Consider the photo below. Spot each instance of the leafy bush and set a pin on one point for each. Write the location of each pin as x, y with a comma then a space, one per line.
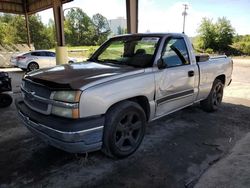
216, 36
209, 51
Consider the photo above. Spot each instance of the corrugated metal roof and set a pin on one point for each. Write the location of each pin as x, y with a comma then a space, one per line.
32, 6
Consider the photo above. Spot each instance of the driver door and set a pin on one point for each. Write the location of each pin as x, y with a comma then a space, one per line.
175, 83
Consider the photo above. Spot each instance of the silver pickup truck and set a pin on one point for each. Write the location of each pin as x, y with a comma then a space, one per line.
106, 102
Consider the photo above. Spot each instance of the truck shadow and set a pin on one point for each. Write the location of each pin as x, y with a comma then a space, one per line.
176, 148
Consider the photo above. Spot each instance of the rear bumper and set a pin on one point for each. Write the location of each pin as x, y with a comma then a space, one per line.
20, 64
74, 136
13, 63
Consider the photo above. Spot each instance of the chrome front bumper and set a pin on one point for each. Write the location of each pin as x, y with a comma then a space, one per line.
72, 140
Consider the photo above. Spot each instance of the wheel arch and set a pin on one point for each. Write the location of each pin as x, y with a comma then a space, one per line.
32, 62
222, 78
141, 100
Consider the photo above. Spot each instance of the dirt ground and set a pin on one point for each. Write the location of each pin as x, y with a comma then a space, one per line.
175, 152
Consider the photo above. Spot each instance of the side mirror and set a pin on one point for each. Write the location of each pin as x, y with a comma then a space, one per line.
161, 64
201, 58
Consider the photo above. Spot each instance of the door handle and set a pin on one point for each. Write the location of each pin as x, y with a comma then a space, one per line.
190, 73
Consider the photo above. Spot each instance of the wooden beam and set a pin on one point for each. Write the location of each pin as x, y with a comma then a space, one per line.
11, 2
32, 6
132, 16
26, 22
11, 7
27, 29
59, 25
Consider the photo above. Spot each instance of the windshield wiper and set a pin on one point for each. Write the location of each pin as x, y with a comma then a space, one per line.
133, 65
110, 61
91, 59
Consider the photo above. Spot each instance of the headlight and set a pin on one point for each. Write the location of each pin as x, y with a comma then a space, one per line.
66, 112
67, 96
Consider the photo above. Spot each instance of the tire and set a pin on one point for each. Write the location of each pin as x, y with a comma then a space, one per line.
124, 129
33, 66
214, 99
5, 100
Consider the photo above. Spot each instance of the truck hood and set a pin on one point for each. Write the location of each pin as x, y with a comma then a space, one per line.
80, 75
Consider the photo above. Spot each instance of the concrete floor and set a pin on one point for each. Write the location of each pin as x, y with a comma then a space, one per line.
233, 171
175, 152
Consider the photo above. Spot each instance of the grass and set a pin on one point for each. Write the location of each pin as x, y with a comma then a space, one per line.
82, 47
80, 52
78, 47
241, 57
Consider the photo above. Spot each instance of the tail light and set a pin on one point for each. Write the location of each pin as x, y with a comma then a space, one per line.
20, 57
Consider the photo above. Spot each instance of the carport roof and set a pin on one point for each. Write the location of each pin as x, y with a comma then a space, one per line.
26, 6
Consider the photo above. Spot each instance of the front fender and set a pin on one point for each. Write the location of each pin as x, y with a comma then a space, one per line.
98, 99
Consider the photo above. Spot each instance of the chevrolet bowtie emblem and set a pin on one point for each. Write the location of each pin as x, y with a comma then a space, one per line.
32, 92
31, 95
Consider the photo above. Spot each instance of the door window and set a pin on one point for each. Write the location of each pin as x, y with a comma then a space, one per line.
35, 53
50, 54
175, 53
41, 53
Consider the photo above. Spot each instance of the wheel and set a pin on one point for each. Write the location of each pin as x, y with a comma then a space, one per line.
124, 129
5, 100
33, 66
214, 99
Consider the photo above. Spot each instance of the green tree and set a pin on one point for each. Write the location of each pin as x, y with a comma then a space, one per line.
6, 17
218, 36
7, 30
51, 30
4, 29
19, 30
13, 30
79, 29
39, 33
102, 29
121, 30
224, 34
207, 34
242, 44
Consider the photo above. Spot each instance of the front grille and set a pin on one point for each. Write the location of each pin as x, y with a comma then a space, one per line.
36, 104
36, 90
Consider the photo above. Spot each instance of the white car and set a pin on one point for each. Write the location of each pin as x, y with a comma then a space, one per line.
35, 59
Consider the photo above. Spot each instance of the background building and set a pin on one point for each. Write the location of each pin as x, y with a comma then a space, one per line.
118, 26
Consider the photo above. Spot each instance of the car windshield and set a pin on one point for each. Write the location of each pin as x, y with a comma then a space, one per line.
133, 51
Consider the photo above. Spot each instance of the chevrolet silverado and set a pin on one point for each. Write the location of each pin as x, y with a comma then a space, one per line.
106, 102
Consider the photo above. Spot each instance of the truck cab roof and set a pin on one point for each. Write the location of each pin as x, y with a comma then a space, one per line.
152, 35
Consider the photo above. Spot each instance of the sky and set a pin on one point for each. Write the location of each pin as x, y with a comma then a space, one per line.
166, 15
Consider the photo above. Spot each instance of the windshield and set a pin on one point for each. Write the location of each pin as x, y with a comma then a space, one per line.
134, 51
